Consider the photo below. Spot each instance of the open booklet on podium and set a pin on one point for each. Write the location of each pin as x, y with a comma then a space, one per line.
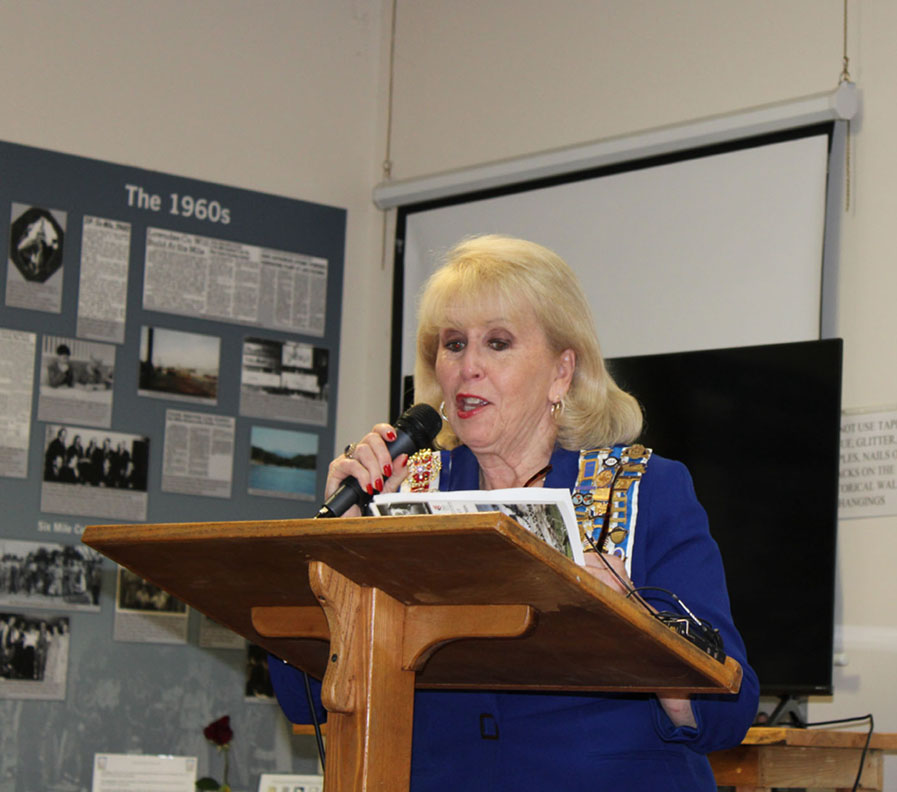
378, 607
546, 513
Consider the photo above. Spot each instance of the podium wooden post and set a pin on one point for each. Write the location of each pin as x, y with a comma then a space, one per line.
379, 607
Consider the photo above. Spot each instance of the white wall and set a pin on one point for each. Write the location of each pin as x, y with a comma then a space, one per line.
281, 96
287, 96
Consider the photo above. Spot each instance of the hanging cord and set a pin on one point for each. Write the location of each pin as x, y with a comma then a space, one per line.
845, 77
387, 157
319, 735
845, 61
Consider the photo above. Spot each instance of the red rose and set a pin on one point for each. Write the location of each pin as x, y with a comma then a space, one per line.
219, 731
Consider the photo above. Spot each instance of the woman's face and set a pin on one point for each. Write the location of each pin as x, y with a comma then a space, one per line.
499, 378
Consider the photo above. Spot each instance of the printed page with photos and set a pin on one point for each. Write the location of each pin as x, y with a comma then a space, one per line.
547, 513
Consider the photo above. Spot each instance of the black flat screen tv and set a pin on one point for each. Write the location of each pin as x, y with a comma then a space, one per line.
758, 427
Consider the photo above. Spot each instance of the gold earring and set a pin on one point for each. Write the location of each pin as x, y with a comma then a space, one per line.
557, 408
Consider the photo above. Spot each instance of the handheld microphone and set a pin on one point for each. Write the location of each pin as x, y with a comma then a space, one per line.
416, 428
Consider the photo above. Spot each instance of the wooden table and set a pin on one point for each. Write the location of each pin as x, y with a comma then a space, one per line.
788, 758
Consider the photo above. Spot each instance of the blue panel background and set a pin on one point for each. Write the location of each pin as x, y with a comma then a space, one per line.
152, 698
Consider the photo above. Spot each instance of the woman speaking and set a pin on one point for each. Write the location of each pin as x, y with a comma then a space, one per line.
507, 351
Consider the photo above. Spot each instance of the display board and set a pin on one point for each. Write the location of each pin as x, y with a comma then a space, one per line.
169, 353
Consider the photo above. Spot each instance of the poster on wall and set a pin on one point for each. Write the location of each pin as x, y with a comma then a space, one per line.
868, 469
103, 284
34, 656
212, 278
16, 378
94, 473
102, 445
284, 381
76, 381
47, 575
199, 453
34, 272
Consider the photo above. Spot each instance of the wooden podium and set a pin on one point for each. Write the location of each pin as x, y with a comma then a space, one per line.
379, 606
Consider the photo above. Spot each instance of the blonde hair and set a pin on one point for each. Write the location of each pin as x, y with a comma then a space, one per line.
526, 279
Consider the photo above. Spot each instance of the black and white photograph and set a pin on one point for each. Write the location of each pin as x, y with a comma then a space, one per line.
35, 271
178, 365
284, 381
35, 244
33, 656
258, 682
47, 575
94, 472
79, 455
403, 508
76, 381
137, 594
145, 613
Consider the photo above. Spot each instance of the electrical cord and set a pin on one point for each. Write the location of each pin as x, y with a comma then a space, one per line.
699, 631
627, 586
858, 719
319, 738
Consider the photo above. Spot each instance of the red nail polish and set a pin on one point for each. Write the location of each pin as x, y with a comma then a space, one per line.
378, 485
390, 435
370, 489
405, 460
387, 471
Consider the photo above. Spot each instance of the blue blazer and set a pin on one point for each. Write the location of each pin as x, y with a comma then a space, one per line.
484, 742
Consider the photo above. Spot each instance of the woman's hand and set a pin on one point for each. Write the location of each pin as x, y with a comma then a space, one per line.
370, 463
679, 710
598, 568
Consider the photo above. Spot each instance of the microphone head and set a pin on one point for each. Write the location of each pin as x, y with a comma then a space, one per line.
421, 423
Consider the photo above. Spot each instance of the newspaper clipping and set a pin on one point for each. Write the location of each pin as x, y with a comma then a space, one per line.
212, 278
99, 474
34, 273
76, 379
16, 378
284, 381
215, 636
103, 287
199, 453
